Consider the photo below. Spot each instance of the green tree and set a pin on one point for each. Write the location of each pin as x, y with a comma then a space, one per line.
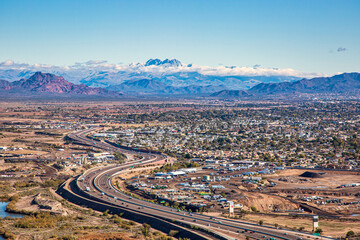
145, 229
253, 208
120, 157
350, 234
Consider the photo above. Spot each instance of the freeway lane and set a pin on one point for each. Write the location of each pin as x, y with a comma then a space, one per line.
100, 181
80, 136
97, 185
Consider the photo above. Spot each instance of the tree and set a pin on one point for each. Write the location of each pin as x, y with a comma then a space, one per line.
261, 222
350, 234
106, 213
145, 229
120, 157
253, 208
318, 230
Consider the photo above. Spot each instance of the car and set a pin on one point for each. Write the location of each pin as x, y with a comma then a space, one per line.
194, 220
219, 221
285, 233
299, 238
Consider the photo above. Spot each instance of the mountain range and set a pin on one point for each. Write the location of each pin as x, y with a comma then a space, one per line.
170, 78
170, 72
47, 83
342, 85
156, 87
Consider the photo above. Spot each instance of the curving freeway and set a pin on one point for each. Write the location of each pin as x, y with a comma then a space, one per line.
96, 184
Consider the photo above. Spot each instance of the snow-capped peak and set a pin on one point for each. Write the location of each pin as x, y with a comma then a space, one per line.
166, 62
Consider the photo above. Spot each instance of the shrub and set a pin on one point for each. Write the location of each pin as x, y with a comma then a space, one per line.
253, 208
42, 220
145, 229
172, 233
54, 183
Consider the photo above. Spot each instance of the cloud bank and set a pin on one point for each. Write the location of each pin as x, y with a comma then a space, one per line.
158, 70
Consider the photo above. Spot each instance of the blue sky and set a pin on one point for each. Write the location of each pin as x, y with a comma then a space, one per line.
311, 36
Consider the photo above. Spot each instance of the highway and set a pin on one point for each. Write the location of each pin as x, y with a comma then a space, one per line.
97, 185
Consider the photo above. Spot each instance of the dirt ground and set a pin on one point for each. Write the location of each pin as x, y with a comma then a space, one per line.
331, 228
40, 203
266, 203
97, 236
331, 179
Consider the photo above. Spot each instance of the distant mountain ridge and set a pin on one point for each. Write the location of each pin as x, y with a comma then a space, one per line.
49, 83
5, 84
345, 85
171, 77
342, 83
171, 72
155, 87
231, 94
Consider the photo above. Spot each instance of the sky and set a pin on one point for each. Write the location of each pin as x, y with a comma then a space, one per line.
307, 35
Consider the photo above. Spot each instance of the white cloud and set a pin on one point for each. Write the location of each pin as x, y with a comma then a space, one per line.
154, 70
8, 63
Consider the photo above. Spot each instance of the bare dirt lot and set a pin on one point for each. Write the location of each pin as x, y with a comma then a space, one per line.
330, 191
290, 178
